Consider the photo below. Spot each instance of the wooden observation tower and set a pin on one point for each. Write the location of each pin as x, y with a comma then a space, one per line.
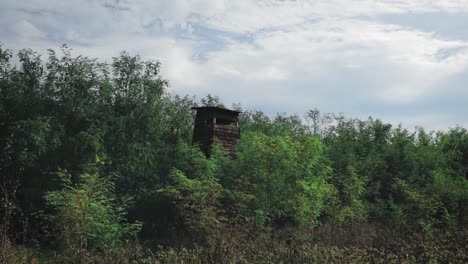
216, 122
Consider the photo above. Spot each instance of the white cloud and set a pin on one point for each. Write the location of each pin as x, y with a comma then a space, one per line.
251, 16
25, 29
314, 51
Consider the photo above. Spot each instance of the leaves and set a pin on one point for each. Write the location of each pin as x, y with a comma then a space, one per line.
286, 176
88, 215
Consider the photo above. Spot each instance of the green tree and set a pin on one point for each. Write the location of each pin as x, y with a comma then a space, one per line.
87, 216
285, 177
196, 196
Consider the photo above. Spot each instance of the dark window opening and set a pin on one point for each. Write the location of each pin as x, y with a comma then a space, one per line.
221, 121
225, 122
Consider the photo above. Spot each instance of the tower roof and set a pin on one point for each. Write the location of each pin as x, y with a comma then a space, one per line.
216, 108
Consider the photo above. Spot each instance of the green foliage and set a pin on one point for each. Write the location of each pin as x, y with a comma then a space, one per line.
258, 121
88, 216
196, 197
210, 100
286, 177
452, 194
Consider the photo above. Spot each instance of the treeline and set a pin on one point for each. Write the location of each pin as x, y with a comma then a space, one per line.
96, 161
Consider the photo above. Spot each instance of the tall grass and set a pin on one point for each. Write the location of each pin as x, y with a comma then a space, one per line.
358, 243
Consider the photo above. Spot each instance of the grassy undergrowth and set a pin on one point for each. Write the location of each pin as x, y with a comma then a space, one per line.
360, 243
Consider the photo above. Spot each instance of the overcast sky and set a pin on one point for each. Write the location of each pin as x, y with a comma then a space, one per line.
399, 60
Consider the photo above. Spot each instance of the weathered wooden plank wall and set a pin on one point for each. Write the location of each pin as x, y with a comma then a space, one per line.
216, 122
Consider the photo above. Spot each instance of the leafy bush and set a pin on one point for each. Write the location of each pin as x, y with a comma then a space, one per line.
286, 177
87, 215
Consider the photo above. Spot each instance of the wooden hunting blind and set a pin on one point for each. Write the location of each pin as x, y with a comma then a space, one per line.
215, 122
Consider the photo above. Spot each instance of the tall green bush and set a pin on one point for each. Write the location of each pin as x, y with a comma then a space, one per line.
87, 216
